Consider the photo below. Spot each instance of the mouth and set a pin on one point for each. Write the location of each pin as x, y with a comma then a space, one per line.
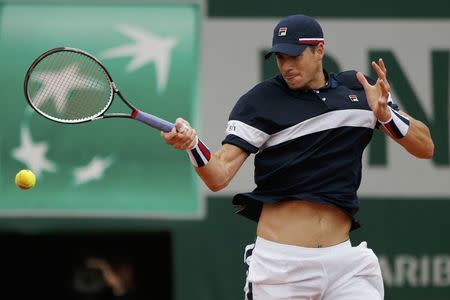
290, 76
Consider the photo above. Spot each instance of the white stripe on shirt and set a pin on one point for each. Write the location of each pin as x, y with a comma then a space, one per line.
250, 134
330, 120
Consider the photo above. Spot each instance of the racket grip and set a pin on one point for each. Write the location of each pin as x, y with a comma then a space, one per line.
152, 120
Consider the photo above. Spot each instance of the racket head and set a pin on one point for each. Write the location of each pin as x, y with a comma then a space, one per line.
68, 85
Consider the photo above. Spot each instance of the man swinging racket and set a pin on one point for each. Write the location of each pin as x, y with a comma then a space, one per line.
308, 129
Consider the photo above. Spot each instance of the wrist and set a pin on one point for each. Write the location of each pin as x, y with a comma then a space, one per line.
199, 154
397, 125
385, 117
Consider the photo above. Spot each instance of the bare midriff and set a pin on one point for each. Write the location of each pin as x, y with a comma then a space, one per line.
303, 223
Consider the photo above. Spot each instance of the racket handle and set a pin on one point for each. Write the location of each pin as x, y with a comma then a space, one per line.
152, 120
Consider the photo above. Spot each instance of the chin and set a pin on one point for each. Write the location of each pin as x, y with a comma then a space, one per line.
295, 85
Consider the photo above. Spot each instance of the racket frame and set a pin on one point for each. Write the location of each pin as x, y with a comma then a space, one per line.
136, 114
99, 115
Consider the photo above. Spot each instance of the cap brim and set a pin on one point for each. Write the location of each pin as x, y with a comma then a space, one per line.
289, 49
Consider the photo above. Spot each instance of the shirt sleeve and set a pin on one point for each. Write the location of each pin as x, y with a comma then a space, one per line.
244, 127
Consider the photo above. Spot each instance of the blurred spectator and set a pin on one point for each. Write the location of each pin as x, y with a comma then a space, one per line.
100, 279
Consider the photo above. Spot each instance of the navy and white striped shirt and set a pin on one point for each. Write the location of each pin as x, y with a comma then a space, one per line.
308, 143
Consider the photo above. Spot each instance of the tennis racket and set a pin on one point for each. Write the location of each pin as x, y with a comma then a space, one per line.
71, 86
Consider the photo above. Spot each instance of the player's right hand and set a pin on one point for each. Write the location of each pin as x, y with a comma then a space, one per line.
182, 136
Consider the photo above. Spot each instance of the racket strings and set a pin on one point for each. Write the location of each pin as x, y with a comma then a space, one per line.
69, 87
88, 82
84, 82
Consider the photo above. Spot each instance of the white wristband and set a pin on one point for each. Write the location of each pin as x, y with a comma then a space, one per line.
199, 154
397, 125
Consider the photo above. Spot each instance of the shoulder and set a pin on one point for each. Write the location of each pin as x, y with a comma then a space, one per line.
266, 89
348, 79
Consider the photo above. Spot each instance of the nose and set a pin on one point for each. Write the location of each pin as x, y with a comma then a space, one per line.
286, 65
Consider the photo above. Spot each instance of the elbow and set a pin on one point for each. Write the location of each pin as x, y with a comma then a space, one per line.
427, 151
430, 151
217, 187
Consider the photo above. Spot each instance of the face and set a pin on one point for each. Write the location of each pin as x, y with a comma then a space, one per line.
303, 71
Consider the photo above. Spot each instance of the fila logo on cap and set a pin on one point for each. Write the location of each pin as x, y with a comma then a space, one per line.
282, 31
353, 98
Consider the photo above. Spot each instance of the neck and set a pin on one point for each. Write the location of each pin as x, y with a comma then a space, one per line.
319, 81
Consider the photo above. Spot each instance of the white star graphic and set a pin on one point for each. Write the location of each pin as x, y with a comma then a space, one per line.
33, 155
94, 170
55, 86
147, 47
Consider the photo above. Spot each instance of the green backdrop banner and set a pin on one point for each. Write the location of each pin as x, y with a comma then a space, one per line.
109, 167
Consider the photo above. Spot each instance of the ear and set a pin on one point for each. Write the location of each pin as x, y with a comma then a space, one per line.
320, 50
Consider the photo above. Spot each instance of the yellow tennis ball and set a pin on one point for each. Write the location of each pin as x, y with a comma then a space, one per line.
25, 179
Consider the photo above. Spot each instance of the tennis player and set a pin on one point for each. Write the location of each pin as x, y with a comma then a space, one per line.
308, 129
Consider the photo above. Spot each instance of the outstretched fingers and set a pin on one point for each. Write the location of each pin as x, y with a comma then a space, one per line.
381, 74
362, 79
381, 71
384, 93
382, 65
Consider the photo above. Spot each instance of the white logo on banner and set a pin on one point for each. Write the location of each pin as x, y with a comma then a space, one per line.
146, 48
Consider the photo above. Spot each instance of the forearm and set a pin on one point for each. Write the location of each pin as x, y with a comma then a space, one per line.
215, 175
418, 140
222, 167
412, 134
215, 169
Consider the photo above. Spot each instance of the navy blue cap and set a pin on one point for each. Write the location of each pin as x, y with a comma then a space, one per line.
294, 33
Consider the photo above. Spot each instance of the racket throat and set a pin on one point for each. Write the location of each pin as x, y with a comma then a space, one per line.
114, 87
134, 113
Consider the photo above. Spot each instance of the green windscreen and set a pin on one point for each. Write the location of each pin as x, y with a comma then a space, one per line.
114, 167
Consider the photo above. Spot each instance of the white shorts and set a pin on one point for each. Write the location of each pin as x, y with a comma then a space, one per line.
342, 272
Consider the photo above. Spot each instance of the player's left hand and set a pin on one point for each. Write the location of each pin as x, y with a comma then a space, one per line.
377, 95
